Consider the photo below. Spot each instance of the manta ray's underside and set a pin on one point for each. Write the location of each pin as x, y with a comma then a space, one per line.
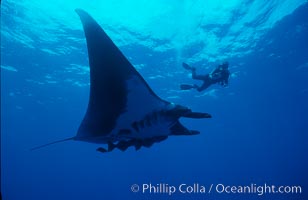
123, 110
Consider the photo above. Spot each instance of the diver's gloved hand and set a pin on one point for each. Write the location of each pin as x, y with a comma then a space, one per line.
215, 76
223, 84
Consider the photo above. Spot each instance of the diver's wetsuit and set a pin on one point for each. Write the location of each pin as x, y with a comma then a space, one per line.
207, 81
219, 75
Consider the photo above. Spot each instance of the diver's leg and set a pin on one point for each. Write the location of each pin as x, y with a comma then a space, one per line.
204, 86
198, 77
193, 72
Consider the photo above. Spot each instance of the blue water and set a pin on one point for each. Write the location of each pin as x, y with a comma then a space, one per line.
258, 133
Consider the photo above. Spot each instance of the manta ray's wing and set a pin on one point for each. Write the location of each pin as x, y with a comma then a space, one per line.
115, 86
123, 111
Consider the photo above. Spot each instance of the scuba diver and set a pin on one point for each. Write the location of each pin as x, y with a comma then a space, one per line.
219, 75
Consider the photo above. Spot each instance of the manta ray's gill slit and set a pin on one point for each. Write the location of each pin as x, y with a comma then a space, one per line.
147, 121
155, 123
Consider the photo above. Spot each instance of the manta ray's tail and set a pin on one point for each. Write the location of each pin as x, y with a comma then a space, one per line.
45, 145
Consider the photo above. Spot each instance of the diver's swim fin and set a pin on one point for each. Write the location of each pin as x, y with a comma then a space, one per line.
187, 87
186, 66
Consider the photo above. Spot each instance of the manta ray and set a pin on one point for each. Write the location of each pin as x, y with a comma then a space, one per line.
123, 111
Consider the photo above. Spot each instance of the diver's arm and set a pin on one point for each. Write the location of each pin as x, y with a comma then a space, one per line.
225, 81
